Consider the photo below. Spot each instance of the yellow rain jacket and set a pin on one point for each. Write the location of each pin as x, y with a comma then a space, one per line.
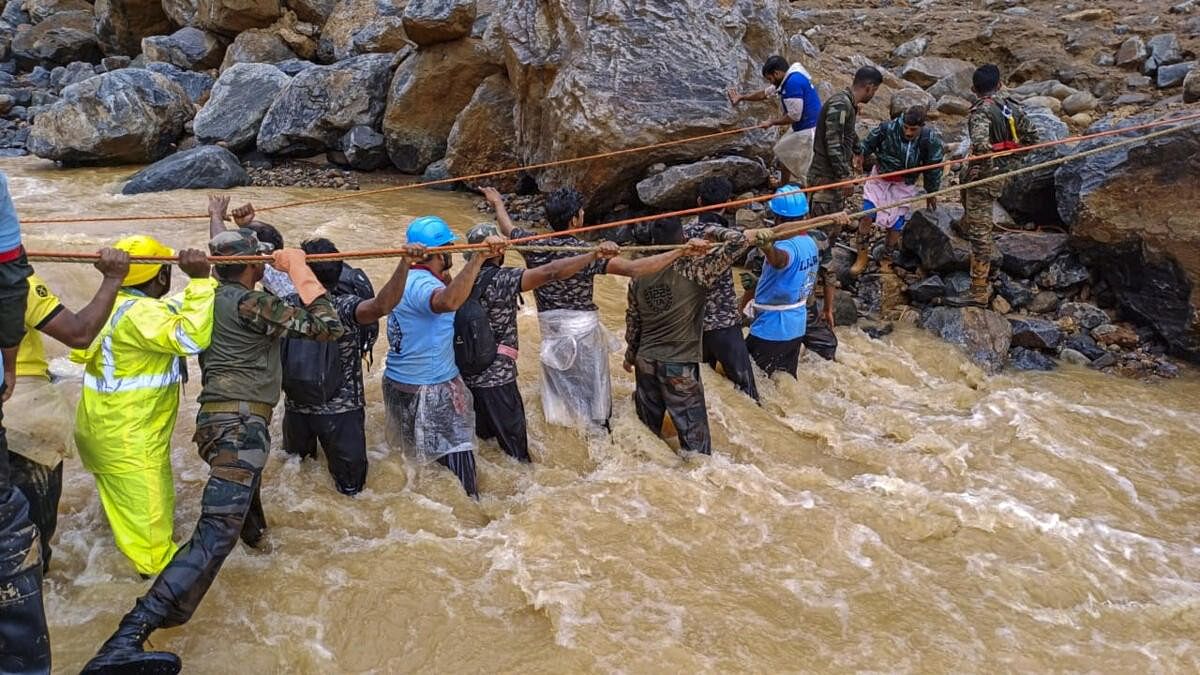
127, 411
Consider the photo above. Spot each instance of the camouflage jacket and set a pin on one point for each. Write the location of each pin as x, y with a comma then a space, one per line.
575, 293
721, 307
991, 123
500, 294
895, 153
836, 141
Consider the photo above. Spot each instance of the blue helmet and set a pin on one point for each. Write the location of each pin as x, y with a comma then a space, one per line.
430, 231
789, 202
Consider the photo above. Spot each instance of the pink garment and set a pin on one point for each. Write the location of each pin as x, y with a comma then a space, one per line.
883, 192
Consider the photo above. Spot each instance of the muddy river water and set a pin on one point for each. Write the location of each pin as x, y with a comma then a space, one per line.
893, 511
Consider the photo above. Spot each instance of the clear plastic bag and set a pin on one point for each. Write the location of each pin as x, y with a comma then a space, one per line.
433, 421
576, 385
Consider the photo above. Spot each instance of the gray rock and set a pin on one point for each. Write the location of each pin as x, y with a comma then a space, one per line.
1017, 293
930, 236
1085, 345
1137, 81
925, 71
197, 85
957, 84
205, 167
906, 98
439, 172
1164, 50
181, 12
911, 49
321, 104
1132, 53
1074, 358
1132, 99
428, 22
361, 148
1086, 315
1021, 358
362, 27
1043, 302
14, 14
65, 76
238, 103
983, 335
58, 40
1024, 254
124, 117
1035, 333
1063, 273
1174, 74
312, 11
953, 105
1108, 359
675, 188
800, 47
1079, 102
1031, 196
293, 67
927, 289
188, 48
1191, 86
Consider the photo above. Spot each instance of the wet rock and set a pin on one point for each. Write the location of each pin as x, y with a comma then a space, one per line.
906, 98
1191, 86
985, 336
196, 85
362, 148
1164, 50
122, 24
1043, 302
1083, 344
428, 22
188, 48
1027, 253
124, 117
362, 27
58, 40
180, 12
1063, 273
1132, 53
482, 138
1035, 333
257, 46
1074, 358
321, 104
1120, 335
1106, 360
1173, 75
1079, 102
207, 166
1017, 293
953, 105
927, 290
675, 187
1021, 358
1083, 314
238, 103
925, 71
438, 171
428, 92
230, 17
930, 236
913, 48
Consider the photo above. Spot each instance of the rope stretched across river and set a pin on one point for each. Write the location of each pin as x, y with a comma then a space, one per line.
781, 232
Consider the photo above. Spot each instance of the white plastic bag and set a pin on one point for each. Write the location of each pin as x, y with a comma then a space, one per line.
576, 385
436, 420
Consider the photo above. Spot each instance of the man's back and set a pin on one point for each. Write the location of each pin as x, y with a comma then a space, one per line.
787, 287
499, 290
421, 340
671, 316
575, 293
350, 396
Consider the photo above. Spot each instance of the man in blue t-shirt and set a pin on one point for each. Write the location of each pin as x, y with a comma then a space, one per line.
800, 105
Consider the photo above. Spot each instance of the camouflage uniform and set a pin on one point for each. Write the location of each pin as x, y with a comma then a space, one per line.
995, 123
834, 149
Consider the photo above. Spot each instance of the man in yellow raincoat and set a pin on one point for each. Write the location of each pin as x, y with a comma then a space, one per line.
130, 397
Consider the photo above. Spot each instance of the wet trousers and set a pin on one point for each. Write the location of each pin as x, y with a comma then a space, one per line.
235, 446
819, 336
774, 356
140, 508
664, 388
42, 487
500, 414
401, 403
727, 346
343, 439
977, 220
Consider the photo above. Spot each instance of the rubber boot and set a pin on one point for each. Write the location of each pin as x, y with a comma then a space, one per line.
123, 654
862, 240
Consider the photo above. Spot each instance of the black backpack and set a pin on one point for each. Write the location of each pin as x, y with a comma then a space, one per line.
474, 341
312, 371
354, 281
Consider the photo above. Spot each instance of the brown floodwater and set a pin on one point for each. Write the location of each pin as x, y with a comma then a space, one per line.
893, 511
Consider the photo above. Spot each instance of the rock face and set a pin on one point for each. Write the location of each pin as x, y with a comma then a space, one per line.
362, 27
589, 78
1130, 216
1024, 254
257, 46
482, 136
189, 48
1031, 195
429, 22
930, 236
675, 188
59, 40
320, 104
123, 117
925, 71
239, 101
207, 166
429, 90
985, 336
230, 17
122, 24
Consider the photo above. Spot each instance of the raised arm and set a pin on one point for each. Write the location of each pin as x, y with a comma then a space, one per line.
492, 195
78, 329
218, 208
453, 295
371, 310
640, 267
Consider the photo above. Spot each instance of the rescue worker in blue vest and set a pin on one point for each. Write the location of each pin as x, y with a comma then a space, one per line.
801, 106
242, 375
131, 380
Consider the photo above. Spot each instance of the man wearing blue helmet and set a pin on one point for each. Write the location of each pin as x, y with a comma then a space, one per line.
429, 409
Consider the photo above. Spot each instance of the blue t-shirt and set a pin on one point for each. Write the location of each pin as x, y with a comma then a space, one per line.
10, 227
787, 286
420, 341
798, 85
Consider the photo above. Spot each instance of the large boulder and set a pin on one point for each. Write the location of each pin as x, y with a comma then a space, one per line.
925, 71
482, 138
180, 12
315, 12
257, 46
362, 27
361, 148
1164, 50
122, 24
904, 99
207, 166
675, 187
429, 90
188, 48
428, 22
230, 17
40, 10
1030, 196
1130, 216
592, 77
57, 41
983, 335
321, 104
1024, 254
238, 103
123, 117
930, 236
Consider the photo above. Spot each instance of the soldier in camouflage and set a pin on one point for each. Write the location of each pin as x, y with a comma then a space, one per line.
996, 123
836, 148
241, 385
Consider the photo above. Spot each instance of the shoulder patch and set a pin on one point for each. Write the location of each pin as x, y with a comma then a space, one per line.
41, 291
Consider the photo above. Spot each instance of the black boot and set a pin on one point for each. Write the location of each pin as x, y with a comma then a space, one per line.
122, 654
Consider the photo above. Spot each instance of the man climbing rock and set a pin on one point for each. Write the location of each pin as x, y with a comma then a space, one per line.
836, 149
801, 105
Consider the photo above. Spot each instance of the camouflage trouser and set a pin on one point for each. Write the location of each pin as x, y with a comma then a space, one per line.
977, 221
235, 447
825, 203
675, 389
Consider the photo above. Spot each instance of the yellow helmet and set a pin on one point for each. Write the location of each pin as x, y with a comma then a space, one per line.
140, 244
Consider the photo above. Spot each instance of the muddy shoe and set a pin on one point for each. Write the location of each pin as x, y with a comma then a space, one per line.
123, 653
861, 262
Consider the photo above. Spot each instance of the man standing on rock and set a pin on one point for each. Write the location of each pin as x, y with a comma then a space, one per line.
836, 149
996, 123
801, 105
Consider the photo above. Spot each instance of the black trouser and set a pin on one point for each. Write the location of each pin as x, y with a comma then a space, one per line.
342, 438
673, 388
401, 407
727, 346
819, 336
500, 414
774, 356
42, 487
